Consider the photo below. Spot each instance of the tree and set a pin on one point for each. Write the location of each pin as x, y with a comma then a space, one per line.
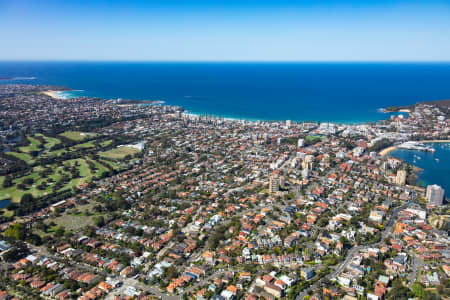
381, 144
7, 182
18, 251
27, 202
170, 272
28, 181
12, 206
99, 221
59, 232
418, 290
399, 291
432, 296
16, 231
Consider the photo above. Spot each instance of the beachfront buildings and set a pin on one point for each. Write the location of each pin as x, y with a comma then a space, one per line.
400, 179
435, 195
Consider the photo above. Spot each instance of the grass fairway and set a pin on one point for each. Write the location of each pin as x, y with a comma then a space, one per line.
77, 135
26, 153
86, 145
36, 145
15, 193
22, 156
46, 176
49, 141
33, 146
112, 164
119, 153
54, 153
106, 143
100, 169
56, 174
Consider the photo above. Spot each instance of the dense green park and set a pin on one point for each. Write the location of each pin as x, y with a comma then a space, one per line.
65, 162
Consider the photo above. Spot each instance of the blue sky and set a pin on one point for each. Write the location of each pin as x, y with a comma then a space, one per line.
228, 30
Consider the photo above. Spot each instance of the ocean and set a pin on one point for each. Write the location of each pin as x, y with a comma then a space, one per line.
337, 92
436, 166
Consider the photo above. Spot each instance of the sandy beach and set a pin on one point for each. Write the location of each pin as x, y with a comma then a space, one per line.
385, 151
52, 94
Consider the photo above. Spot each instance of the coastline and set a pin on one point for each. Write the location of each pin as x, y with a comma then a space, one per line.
52, 94
387, 150
226, 118
55, 94
396, 110
58, 95
253, 119
61, 94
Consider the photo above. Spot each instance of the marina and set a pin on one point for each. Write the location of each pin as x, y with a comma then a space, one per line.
416, 146
435, 164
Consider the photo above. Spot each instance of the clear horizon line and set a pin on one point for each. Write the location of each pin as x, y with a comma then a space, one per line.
229, 61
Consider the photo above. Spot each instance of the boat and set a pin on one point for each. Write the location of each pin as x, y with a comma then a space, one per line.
412, 145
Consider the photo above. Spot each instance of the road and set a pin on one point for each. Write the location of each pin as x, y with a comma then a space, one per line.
127, 282
79, 265
387, 230
206, 280
416, 264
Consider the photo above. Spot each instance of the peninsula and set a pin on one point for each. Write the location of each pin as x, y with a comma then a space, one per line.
444, 105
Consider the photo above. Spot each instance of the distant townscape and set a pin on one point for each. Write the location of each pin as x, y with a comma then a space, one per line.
106, 199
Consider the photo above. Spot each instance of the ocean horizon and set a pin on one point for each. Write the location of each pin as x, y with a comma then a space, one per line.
337, 92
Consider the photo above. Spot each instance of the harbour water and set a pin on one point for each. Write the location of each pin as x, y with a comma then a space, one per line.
4, 203
435, 165
337, 92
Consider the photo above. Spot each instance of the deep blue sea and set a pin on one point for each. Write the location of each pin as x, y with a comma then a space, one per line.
436, 166
339, 92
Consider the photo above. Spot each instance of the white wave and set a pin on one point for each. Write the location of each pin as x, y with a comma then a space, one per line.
67, 94
23, 78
